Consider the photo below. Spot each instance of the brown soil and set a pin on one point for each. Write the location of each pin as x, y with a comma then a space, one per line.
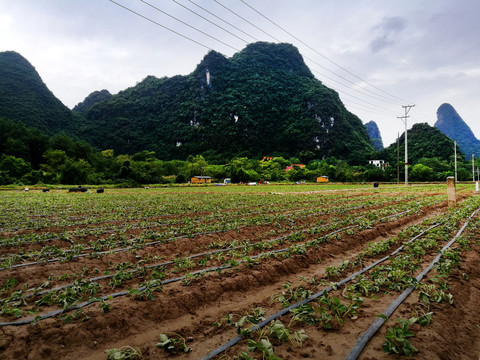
191, 310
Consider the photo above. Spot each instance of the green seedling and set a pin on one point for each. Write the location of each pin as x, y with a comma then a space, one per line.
264, 346
396, 339
173, 344
278, 331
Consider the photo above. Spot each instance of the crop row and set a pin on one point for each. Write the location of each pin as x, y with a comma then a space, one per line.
306, 305
37, 211
195, 218
188, 227
248, 253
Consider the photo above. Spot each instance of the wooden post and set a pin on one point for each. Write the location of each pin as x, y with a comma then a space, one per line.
451, 194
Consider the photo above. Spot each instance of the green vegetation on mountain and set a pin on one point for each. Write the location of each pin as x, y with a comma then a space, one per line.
262, 101
430, 156
92, 99
424, 141
218, 121
24, 97
28, 156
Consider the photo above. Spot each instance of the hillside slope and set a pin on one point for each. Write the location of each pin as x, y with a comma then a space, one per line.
452, 125
424, 141
262, 101
25, 97
91, 100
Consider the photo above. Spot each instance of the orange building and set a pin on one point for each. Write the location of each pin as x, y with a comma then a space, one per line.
201, 180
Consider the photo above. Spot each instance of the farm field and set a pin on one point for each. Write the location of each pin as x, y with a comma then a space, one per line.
178, 272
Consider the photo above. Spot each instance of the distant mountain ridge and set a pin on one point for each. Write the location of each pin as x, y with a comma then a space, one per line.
452, 125
374, 134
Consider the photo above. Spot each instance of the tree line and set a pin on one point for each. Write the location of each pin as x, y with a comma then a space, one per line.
29, 157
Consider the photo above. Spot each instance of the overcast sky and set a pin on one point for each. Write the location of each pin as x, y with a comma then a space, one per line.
379, 55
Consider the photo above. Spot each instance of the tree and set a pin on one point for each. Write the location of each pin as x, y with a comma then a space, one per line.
13, 168
373, 173
273, 170
55, 159
125, 171
196, 165
420, 172
244, 170
75, 172
108, 153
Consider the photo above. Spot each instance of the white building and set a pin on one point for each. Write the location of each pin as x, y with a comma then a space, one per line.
378, 163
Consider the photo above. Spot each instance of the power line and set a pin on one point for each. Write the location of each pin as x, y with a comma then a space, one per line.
313, 61
320, 54
376, 107
241, 17
362, 107
338, 82
226, 22
419, 111
372, 94
211, 22
190, 26
162, 26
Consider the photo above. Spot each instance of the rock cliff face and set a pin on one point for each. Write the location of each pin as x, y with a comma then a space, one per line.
452, 125
374, 134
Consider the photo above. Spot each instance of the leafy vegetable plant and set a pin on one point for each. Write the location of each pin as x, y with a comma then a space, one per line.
173, 344
396, 341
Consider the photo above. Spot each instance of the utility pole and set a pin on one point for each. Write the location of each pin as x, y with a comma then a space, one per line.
473, 167
398, 158
404, 119
455, 154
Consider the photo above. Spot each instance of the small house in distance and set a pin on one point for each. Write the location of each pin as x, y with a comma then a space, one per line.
378, 163
201, 180
322, 179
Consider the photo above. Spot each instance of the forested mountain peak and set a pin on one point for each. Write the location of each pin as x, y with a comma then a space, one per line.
13, 60
424, 141
213, 61
25, 97
279, 57
262, 101
92, 99
452, 125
